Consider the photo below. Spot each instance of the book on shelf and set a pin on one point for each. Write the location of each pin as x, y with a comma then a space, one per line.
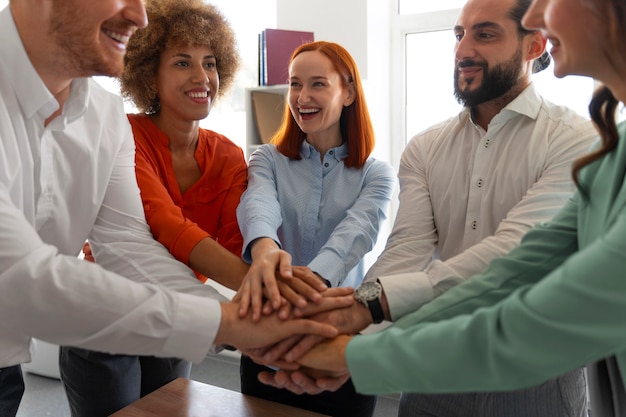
275, 49
268, 108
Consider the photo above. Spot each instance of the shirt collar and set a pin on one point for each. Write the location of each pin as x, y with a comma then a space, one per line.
339, 153
30, 90
527, 103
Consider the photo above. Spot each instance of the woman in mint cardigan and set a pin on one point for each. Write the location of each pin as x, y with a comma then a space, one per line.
555, 303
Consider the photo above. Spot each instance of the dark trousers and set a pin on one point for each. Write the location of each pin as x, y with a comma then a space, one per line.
345, 402
564, 396
11, 390
98, 384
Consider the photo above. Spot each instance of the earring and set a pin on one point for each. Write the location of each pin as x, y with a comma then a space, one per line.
155, 106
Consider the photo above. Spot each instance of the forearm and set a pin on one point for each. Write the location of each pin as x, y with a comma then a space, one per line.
215, 262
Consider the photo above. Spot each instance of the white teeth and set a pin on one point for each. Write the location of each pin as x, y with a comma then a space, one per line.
204, 94
308, 111
120, 38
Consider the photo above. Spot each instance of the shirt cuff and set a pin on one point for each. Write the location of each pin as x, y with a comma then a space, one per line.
193, 334
255, 232
329, 267
406, 292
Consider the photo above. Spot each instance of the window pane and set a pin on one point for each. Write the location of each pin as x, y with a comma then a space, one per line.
430, 71
421, 6
430, 90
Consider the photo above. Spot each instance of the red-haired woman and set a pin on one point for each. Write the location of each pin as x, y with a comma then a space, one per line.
316, 198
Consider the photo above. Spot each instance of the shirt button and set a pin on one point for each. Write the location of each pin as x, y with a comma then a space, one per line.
480, 183
474, 225
332, 152
326, 164
487, 141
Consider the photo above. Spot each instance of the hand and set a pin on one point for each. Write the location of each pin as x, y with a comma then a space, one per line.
245, 333
272, 275
336, 302
329, 356
303, 381
88, 255
348, 320
304, 285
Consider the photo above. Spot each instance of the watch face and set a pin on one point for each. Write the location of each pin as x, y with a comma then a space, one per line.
368, 291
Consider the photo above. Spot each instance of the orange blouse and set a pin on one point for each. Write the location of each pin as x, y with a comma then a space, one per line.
207, 208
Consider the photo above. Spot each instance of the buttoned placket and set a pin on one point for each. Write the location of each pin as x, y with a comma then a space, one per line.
478, 182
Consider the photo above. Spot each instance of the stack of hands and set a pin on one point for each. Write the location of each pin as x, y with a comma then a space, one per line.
287, 318
313, 322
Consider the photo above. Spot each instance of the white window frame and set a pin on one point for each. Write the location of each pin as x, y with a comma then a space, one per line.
401, 26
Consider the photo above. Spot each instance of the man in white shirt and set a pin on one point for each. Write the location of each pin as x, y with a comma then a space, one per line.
470, 188
67, 174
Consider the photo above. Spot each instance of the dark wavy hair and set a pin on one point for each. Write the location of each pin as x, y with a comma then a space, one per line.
603, 105
176, 22
516, 13
356, 126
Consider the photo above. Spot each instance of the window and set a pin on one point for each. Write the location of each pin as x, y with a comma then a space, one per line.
429, 86
420, 6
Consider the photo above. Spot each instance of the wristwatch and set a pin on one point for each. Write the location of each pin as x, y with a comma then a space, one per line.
369, 294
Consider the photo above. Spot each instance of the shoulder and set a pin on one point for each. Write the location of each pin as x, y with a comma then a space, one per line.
104, 114
379, 172
220, 143
104, 100
437, 136
564, 115
378, 166
267, 151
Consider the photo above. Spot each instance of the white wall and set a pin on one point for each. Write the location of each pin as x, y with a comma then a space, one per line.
341, 21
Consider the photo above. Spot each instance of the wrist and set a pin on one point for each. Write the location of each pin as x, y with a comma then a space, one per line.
229, 313
385, 305
262, 245
324, 280
369, 294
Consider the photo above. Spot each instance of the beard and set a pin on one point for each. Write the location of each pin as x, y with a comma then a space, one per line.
496, 82
80, 53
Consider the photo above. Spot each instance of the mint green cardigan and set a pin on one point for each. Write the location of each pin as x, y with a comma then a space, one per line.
553, 304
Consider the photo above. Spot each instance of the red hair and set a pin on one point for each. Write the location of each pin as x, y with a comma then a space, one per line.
355, 124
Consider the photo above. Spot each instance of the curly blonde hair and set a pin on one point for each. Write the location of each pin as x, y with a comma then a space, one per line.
176, 22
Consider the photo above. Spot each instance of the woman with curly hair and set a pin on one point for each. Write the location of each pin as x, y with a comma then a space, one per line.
191, 180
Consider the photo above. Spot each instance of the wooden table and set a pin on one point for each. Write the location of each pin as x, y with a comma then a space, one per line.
186, 398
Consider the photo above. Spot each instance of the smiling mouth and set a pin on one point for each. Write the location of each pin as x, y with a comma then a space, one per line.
118, 37
203, 94
308, 111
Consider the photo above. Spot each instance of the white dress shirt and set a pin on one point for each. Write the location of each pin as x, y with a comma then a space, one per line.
468, 195
60, 185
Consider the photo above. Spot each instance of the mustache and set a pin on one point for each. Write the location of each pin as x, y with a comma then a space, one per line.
471, 63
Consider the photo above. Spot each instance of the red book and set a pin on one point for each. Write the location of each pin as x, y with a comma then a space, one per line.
278, 46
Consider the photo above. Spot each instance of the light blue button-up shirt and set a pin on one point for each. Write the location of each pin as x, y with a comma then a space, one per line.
327, 216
